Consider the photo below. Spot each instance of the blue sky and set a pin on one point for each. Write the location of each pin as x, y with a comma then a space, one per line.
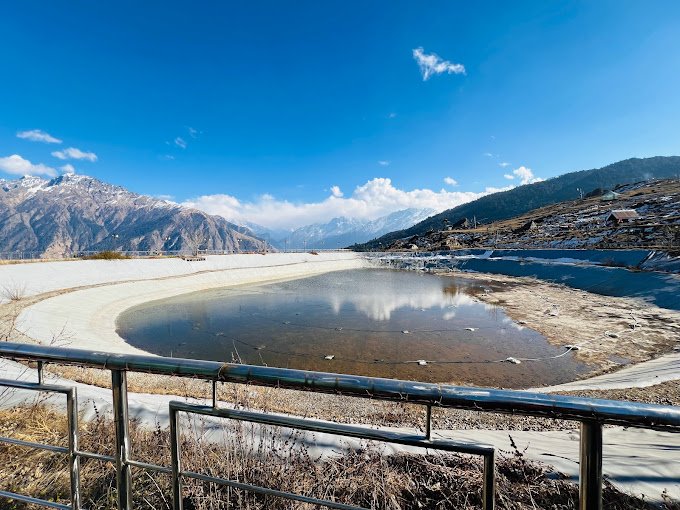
286, 113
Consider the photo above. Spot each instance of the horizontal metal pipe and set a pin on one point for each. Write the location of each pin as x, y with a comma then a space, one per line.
335, 428
270, 492
150, 467
612, 412
96, 456
35, 501
34, 386
31, 444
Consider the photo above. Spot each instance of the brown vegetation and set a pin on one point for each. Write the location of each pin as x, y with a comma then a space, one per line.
264, 456
106, 255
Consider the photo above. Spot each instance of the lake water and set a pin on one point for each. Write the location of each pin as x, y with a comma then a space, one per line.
375, 322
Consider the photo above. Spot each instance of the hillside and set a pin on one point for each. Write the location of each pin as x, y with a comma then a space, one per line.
520, 200
74, 213
581, 223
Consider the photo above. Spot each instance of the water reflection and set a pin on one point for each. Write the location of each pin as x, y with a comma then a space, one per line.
373, 322
381, 298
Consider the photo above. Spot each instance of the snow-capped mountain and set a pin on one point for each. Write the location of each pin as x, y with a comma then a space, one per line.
343, 231
73, 213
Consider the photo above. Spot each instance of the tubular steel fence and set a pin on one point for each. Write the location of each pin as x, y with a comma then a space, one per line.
591, 413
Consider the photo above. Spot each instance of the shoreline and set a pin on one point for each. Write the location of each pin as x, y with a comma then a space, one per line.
87, 316
634, 343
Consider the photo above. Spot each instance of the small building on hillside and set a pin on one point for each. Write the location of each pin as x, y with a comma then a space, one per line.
608, 196
620, 216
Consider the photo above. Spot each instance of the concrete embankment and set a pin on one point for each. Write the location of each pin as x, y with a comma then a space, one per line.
96, 292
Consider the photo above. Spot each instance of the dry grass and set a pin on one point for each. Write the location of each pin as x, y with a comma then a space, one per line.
268, 457
13, 291
106, 255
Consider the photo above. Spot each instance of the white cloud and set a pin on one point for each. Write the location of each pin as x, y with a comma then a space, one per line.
17, 165
384, 162
193, 132
525, 175
73, 153
168, 157
433, 64
336, 191
489, 155
37, 135
67, 168
166, 198
180, 142
392, 115
450, 181
371, 200
503, 164
509, 176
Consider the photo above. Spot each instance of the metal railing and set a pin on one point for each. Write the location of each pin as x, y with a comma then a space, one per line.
591, 413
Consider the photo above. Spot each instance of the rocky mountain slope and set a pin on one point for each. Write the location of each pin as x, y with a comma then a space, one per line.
583, 223
74, 213
520, 200
341, 232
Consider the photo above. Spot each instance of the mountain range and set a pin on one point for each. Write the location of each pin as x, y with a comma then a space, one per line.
342, 231
522, 199
75, 213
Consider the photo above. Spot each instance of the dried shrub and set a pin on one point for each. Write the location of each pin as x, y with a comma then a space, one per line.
271, 457
107, 255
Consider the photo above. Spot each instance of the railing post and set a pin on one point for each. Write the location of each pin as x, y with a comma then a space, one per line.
428, 423
175, 458
590, 470
73, 460
489, 491
120, 416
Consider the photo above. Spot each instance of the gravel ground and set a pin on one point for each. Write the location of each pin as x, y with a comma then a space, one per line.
667, 394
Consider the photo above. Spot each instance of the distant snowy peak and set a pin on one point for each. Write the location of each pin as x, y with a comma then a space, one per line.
28, 183
343, 231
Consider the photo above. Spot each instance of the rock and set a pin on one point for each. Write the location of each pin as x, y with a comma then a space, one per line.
329, 356
512, 360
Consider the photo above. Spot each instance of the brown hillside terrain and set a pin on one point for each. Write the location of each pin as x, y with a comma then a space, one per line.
584, 223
